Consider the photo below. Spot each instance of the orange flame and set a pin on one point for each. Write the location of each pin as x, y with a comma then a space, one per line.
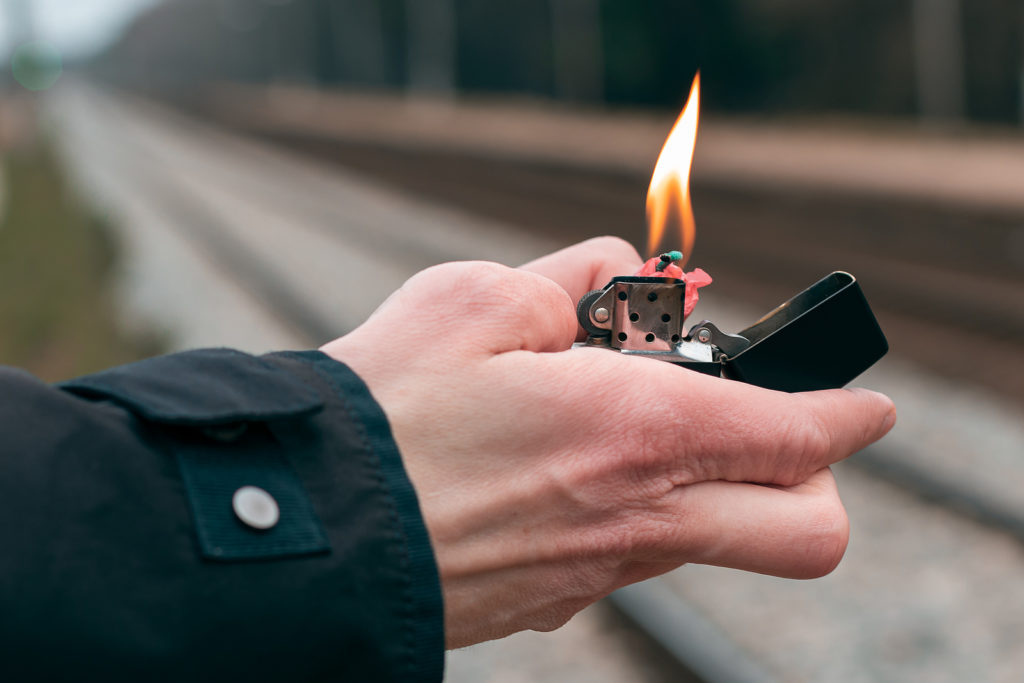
668, 197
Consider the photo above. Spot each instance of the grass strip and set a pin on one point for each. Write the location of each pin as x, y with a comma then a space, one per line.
57, 257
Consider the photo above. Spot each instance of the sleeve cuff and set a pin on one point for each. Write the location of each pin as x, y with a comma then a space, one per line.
422, 605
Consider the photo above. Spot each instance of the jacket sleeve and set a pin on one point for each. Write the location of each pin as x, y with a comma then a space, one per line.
127, 552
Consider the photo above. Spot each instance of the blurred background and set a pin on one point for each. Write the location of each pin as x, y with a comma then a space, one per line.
262, 173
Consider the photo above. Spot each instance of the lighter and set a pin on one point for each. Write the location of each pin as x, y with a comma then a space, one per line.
820, 339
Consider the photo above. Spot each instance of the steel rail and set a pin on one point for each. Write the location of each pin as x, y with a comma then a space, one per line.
918, 289
925, 483
690, 637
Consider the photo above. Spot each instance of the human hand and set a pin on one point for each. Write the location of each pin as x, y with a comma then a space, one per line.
550, 476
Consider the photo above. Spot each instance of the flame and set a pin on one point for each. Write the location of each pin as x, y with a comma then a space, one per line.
668, 197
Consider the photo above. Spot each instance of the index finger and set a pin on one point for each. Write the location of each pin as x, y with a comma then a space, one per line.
752, 434
666, 423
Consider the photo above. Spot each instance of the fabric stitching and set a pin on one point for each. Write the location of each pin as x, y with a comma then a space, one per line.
300, 541
398, 534
306, 401
166, 417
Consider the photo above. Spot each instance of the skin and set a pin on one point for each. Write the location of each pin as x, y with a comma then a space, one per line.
549, 476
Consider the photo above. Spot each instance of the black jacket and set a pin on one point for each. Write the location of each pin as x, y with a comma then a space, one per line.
124, 557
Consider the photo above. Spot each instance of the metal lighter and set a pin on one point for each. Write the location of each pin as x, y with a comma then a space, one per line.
820, 339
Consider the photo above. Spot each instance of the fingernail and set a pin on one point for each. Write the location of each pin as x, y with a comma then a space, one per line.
867, 392
874, 395
890, 416
889, 420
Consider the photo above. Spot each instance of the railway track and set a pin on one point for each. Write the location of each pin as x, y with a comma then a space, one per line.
933, 301
942, 281
764, 269
201, 223
947, 283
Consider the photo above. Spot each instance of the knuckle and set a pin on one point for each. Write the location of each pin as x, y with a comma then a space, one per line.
651, 536
556, 617
827, 539
540, 291
495, 283
657, 458
806, 445
579, 585
618, 543
474, 278
477, 286
817, 441
697, 529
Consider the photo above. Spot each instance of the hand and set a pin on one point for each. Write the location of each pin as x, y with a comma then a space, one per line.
549, 477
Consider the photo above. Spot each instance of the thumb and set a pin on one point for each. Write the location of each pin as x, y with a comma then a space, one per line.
475, 307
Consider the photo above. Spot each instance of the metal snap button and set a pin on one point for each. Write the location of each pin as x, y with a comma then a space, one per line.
255, 507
